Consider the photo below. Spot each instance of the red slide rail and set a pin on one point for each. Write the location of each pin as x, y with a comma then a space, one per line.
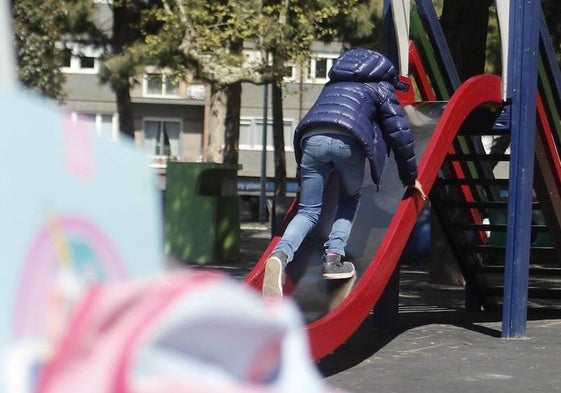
333, 329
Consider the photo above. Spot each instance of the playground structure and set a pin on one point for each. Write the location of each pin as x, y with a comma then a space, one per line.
453, 166
456, 169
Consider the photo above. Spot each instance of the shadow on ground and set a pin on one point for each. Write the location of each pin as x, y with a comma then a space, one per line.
422, 303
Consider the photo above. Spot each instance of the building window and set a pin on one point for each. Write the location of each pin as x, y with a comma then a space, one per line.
251, 134
81, 60
319, 68
87, 62
289, 73
102, 124
156, 84
67, 58
320, 71
107, 126
161, 137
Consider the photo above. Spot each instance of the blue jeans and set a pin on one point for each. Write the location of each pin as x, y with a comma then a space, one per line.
322, 153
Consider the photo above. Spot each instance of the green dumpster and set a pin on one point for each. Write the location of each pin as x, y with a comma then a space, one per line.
202, 212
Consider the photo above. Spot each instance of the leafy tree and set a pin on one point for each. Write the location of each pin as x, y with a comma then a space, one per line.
303, 22
551, 11
201, 40
38, 27
204, 40
360, 26
465, 25
354, 22
123, 62
43, 28
471, 29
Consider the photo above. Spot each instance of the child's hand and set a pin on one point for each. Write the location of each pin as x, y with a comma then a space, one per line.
419, 188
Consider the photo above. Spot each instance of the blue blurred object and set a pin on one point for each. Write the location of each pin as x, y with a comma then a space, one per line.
418, 248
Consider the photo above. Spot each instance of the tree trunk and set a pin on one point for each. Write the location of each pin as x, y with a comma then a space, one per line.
124, 109
443, 266
464, 23
217, 114
232, 121
122, 22
278, 130
232, 124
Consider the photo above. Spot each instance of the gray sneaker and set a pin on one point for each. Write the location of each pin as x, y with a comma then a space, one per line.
274, 276
334, 269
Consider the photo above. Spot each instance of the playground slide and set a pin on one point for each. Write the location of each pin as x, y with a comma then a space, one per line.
384, 223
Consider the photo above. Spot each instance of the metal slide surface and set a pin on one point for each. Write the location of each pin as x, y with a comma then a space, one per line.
382, 228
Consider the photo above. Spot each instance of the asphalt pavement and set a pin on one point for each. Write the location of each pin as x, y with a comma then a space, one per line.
435, 345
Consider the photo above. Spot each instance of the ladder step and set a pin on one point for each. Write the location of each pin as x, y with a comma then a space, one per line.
477, 157
478, 131
535, 293
492, 248
482, 204
535, 271
499, 227
471, 182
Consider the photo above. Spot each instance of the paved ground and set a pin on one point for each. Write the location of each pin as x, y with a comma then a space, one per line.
435, 346
438, 347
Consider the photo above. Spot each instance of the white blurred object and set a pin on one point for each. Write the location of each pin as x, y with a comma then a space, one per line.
183, 331
8, 74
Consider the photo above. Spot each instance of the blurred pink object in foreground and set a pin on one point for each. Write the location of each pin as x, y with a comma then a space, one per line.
182, 331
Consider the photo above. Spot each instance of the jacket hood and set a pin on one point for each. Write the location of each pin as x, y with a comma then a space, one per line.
365, 65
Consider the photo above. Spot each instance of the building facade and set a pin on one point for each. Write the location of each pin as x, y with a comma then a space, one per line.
170, 116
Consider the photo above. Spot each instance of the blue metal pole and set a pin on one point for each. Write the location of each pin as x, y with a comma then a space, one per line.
522, 89
390, 40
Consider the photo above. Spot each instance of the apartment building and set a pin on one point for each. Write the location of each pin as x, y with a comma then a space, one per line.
170, 115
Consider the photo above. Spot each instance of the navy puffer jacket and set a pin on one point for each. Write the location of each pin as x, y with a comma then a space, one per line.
360, 98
